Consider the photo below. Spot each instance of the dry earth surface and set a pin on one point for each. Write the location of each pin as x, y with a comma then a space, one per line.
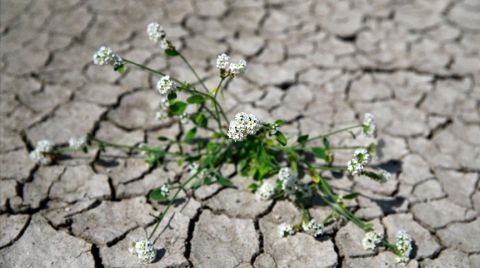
317, 64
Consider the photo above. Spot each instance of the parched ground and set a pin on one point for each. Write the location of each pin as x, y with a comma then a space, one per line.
317, 64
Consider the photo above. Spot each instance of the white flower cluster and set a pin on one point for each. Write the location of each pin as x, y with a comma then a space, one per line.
265, 191
156, 34
313, 228
77, 143
372, 240
291, 185
42, 153
285, 229
144, 250
357, 164
368, 127
233, 69
165, 85
164, 190
404, 246
106, 56
243, 125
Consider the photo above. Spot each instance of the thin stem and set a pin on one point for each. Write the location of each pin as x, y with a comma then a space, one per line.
172, 200
217, 112
193, 71
332, 133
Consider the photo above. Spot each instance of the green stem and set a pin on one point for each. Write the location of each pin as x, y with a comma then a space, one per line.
332, 133
193, 71
217, 112
172, 200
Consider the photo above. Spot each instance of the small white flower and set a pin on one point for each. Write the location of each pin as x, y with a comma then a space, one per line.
372, 240
238, 68
354, 167
165, 85
41, 154
265, 192
144, 250
164, 103
243, 125
106, 56
404, 246
155, 32
285, 229
368, 127
77, 144
313, 228
290, 183
385, 176
222, 61
164, 189
362, 156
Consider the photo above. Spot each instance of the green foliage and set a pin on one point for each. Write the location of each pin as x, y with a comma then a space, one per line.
178, 107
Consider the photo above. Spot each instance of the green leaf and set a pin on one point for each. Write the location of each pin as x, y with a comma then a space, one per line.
281, 138
319, 152
158, 195
196, 99
171, 52
172, 96
351, 195
252, 187
119, 68
302, 139
279, 122
190, 134
178, 107
224, 182
201, 120
162, 138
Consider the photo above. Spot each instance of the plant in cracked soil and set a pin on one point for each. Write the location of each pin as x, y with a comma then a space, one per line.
280, 168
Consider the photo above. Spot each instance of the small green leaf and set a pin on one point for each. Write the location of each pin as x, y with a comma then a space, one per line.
178, 107
279, 122
319, 152
326, 143
302, 139
196, 99
162, 138
158, 195
252, 187
201, 120
190, 134
351, 195
172, 96
281, 138
171, 52
224, 182
120, 68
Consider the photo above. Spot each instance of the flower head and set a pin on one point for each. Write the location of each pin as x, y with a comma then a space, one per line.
243, 125
222, 61
313, 228
404, 246
368, 126
144, 250
164, 189
285, 229
155, 32
43, 152
77, 144
106, 56
362, 156
354, 167
165, 85
238, 68
265, 192
372, 240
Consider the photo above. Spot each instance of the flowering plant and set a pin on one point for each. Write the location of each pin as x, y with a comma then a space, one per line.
258, 149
